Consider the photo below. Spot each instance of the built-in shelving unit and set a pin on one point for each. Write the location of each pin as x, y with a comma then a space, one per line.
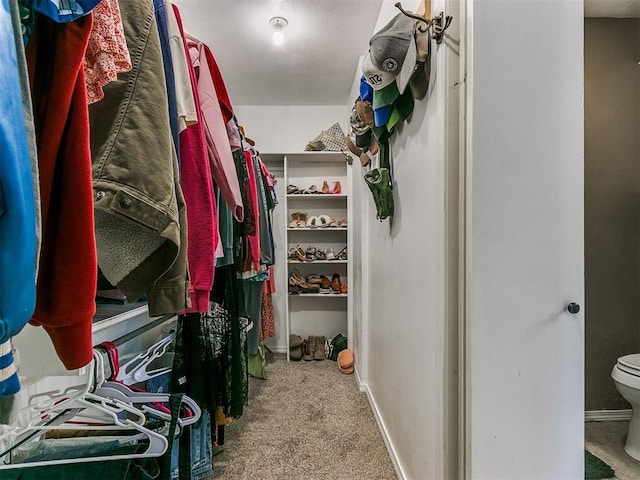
324, 314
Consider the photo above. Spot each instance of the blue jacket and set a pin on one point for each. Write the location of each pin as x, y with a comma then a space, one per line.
17, 211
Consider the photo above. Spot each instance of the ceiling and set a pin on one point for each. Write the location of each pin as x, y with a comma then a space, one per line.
612, 8
317, 63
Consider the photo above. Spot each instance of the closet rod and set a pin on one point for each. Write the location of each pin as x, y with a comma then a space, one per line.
145, 328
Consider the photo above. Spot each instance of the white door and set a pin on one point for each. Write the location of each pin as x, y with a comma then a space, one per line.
524, 253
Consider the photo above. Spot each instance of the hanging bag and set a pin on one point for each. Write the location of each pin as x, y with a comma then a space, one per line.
331, 139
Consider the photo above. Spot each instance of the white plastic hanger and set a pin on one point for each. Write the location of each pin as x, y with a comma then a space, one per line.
135, 370
111, 408
122, 392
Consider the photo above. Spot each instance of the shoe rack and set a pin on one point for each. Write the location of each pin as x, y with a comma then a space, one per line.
323, 241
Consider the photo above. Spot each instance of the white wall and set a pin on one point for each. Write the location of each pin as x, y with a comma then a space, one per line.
404, 278
287, 128
525, 353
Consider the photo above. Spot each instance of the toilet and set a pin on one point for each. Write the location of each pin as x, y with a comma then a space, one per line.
626, 376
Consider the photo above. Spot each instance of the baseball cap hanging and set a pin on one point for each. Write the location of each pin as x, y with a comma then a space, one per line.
419, 81
62, 12
402, 109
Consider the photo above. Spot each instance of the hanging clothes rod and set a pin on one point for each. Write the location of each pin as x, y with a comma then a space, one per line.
145, 328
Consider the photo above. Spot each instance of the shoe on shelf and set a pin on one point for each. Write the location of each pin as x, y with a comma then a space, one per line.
342, 254
312, 222
325, 284
308, 348
320, 255
298, 219
329, 254
291, 189
325, 187
314, 279
311, 190
303, 286
294, 220
342, 222
320, 352
337, 188
344, 289
310, 254
336, 285
300, 254
323, 221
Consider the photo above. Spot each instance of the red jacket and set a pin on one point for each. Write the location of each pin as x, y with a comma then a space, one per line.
65, 298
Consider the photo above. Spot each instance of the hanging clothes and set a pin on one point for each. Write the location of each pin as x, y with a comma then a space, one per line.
185, 101
107, 54
223, 167
139, 205
167, 64
197, 185
253, 257
267, 317
68, 268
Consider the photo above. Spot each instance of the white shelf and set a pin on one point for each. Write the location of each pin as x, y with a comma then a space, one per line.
108, 314
317, 196
317, 261
319, 229
307, 317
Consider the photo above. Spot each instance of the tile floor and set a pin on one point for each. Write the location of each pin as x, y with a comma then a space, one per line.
606, 441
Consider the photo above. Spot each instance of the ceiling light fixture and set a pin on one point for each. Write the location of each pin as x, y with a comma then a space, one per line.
279, 24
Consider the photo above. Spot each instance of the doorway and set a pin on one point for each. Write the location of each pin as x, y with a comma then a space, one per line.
612, 227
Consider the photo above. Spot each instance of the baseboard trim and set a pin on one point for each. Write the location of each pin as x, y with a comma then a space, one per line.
278, 349
383, 431
358, 379
607, 415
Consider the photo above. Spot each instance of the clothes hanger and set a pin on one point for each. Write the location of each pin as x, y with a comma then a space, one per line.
122, 392
135, 370
111, 408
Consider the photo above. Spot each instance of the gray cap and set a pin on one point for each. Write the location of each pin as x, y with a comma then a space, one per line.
390, 44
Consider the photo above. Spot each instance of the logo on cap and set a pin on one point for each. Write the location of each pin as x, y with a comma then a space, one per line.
390, 64
375, 79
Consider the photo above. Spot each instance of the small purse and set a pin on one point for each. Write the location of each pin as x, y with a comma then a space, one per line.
331, 139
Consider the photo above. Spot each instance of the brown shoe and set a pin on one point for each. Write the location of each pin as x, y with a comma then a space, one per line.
308, 347
336, 285
320, 352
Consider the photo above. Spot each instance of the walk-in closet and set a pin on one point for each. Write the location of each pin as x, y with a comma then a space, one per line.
316, 239
187, 194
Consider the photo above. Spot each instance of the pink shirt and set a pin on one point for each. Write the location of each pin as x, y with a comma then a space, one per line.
222, 167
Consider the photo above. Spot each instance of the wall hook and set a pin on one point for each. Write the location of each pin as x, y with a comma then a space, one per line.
421, 27
437, 24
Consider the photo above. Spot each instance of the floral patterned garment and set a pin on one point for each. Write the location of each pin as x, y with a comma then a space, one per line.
267, 318
107, 53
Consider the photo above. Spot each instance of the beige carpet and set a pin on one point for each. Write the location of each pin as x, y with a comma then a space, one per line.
307, 421
606, 441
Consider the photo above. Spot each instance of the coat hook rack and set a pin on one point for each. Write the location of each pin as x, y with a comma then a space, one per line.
437, 24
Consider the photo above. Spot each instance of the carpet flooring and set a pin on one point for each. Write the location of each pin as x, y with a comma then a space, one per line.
307, 421
606, 441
